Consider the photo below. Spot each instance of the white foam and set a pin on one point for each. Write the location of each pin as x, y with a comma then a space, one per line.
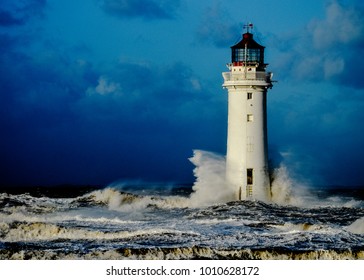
288, 191
289, 228
83, 216
210, 186
37, 231
357, 227
129, 203
218, 221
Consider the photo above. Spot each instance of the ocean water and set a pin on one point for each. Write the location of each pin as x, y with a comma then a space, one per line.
159, 221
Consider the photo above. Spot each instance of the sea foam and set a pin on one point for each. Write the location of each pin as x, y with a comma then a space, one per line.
211, 187
357, 227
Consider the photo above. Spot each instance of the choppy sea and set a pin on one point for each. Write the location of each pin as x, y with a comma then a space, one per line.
159, 221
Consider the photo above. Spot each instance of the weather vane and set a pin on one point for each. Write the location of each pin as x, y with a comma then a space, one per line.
248, 27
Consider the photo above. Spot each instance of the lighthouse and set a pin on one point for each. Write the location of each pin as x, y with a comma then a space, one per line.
247, 83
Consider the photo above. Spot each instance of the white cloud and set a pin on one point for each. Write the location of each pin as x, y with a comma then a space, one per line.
105, 87
327, 49
342, 25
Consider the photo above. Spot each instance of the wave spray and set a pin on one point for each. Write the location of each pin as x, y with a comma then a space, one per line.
211, 186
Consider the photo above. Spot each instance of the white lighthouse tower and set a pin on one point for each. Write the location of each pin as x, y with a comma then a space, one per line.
247, 83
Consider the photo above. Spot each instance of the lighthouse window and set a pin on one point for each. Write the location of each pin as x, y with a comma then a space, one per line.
249, 176
250, 118
254, 54
250, 55
250, 95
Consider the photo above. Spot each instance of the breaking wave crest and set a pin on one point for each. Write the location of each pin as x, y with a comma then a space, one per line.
38, 231
120, 201
357, 227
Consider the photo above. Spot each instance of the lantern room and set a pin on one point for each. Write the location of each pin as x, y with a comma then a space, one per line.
247, 52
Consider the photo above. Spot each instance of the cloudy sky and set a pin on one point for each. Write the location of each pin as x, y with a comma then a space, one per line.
94, 91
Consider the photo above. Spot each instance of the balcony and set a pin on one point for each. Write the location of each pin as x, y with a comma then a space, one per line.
256, 78
243, 76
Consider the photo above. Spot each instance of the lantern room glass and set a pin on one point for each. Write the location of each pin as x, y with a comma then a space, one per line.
252, 55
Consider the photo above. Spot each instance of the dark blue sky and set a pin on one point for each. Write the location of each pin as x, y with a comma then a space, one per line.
95, 91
